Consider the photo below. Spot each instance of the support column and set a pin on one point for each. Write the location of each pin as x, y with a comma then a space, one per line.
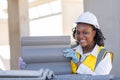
108, 12
18, 27
71, 9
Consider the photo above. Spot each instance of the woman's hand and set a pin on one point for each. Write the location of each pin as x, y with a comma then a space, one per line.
69, 53
21, 63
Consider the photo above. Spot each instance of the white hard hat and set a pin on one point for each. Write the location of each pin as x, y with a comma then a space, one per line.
88, 18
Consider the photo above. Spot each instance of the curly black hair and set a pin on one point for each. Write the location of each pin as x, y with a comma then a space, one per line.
99, 38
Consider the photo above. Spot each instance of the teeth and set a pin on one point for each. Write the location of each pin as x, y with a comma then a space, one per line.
82, 40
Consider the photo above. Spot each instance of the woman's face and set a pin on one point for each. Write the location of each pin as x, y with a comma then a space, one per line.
85, 34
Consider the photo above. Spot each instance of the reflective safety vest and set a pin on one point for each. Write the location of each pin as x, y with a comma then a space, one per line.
90, 60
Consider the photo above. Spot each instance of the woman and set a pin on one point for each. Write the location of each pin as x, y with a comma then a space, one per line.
90, 42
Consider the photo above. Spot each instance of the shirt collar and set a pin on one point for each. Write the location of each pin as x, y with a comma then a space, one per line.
93, 52
78, 49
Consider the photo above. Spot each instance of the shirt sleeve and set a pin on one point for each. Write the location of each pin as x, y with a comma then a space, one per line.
104, 66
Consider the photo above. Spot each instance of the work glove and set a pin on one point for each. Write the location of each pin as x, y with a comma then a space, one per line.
46, 74
69, 53
21, 63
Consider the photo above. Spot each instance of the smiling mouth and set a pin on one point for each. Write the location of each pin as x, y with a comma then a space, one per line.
82, 41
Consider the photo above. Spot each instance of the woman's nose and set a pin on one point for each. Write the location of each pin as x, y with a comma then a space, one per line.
81, 35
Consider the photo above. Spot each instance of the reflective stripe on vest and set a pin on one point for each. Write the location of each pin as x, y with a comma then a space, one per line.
111, 54
90, 61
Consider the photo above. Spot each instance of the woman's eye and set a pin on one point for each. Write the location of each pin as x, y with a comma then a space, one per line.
85, 33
